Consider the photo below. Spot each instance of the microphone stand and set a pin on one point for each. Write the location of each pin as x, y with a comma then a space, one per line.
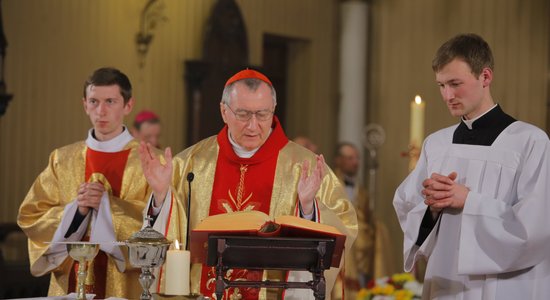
190, 177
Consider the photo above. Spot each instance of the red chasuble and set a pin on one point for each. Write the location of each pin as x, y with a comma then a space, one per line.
111, 166
243, 184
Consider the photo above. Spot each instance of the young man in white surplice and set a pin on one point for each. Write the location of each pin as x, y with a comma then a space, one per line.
476, 205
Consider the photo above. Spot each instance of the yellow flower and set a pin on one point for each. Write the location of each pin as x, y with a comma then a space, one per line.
402, 277
403, 295
386, 289
393, 288
363, 294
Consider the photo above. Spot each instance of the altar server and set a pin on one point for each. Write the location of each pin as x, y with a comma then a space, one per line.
477, 204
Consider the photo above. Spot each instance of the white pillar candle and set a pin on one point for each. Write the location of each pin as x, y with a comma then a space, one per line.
417, 122
417, 130
177, 271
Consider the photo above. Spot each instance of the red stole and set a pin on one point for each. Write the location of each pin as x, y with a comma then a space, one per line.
243, 184
111, 166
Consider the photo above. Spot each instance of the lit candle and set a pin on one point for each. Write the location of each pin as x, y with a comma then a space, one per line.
417, 130
417, 122
177, 271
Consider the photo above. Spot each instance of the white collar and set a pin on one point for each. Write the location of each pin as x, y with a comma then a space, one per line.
113, 145
240, 151
469, 123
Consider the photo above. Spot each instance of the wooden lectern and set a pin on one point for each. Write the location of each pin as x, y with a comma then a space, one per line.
273, 253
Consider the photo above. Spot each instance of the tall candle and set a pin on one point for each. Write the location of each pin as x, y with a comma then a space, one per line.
417, 122
177, 271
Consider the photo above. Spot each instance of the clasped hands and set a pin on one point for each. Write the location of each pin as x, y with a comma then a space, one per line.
89, 196
442, 191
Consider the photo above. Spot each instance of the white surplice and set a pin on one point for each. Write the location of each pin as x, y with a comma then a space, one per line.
498, 245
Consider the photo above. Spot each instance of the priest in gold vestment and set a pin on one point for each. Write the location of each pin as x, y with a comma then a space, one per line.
93, 190
251, 165
368, 258
359, 262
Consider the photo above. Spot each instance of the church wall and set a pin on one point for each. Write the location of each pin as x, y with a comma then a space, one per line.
312, 79
55, 44
404, 38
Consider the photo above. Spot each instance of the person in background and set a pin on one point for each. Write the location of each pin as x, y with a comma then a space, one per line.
92, 190
359, 263
306, 143
147, 128
251, 165
477, 204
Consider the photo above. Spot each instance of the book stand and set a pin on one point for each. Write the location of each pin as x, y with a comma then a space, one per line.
274, 253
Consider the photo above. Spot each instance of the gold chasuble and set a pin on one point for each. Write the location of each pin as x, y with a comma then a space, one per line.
267, 182
46, 208
108, 169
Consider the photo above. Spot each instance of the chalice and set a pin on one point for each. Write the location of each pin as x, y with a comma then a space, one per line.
83, 252
147, 250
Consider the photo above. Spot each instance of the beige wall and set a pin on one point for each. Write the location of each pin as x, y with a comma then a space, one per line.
55, 44
405, 36
312, 94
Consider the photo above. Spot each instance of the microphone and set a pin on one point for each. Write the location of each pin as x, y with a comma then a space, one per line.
190, 177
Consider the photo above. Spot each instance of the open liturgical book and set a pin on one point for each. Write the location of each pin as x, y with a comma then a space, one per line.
257, 223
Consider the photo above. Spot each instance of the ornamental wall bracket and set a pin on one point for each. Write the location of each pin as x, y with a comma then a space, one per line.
151, 16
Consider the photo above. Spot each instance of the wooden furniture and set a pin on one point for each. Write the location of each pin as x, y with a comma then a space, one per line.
274, 253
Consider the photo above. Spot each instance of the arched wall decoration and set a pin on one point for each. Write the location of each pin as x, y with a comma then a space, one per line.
151, 15
225, 52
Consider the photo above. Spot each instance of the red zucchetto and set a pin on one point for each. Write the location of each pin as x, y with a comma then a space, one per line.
248, 73
145, 115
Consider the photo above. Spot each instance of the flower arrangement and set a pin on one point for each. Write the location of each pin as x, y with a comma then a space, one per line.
402, 286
